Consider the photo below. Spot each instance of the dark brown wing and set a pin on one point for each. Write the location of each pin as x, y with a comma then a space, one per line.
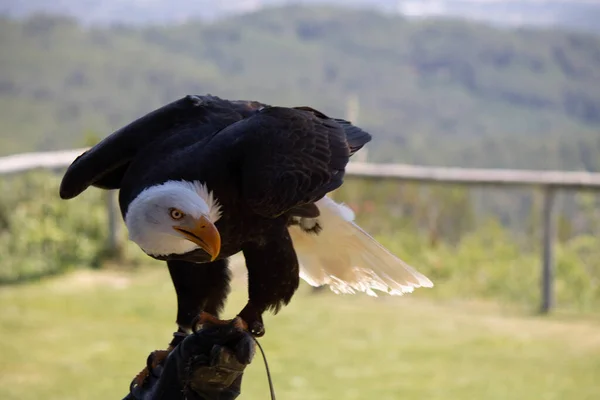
291, 157
105, 164
355, 136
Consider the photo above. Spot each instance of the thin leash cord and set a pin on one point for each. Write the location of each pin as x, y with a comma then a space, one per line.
267, 368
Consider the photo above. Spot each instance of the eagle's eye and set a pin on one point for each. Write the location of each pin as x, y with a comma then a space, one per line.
176, 214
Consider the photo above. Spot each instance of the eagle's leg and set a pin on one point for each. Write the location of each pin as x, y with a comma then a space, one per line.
273, 278
201, 290
252, 317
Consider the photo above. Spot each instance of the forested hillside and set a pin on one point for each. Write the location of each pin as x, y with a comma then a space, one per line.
436, 92
570, 14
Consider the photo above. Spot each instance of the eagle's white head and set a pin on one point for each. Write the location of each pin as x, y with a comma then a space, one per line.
174, 218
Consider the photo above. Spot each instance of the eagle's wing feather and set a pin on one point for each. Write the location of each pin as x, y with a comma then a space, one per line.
105, 164
291, 157
348, 259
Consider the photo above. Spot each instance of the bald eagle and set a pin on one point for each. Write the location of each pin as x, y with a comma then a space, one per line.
203, 178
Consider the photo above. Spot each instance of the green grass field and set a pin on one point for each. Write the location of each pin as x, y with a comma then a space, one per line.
86, 334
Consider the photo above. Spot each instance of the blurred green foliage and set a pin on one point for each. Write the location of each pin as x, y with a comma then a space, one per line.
42, 235
470, 255
432, 228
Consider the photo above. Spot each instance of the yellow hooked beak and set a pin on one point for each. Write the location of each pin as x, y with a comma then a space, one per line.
204, 233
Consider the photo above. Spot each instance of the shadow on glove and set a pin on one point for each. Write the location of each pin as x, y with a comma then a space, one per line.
206, 365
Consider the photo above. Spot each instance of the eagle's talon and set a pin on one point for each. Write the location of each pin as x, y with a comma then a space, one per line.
149, 362
154, 359
205, 318
139, 379
257, 329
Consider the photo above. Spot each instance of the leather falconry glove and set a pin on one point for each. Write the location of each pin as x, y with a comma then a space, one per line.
206, 365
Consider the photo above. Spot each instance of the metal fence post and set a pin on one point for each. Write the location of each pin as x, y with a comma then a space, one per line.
548, 234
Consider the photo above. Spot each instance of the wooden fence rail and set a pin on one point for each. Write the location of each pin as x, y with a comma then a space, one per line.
548, 181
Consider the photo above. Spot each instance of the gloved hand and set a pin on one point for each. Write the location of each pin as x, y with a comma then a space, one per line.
206, 365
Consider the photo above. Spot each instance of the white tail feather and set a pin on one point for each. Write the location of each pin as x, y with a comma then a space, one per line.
348, 259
